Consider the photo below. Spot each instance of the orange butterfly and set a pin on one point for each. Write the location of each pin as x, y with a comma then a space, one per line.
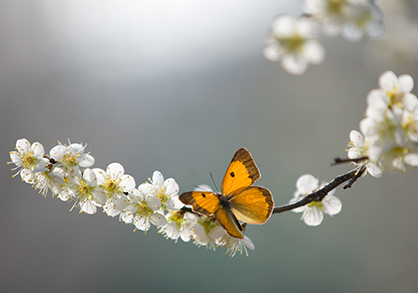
238, 200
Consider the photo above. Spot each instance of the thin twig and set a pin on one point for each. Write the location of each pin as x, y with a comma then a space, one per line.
320, 193
338, 160
356, 176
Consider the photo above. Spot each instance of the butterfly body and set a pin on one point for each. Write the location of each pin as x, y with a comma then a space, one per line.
238, 201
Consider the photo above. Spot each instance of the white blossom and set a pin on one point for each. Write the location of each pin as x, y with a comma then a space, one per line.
352, 19
313, 213
30, 158
359, 148
85, 191
141, 211
207, 232
292, 42
72, 156
179, 225
51, 179
115, 184
166, 190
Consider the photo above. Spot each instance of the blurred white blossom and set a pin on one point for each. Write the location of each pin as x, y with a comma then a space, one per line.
292, 42
352, 19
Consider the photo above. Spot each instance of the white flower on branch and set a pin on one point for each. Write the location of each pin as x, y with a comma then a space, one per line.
142, 211
393, 91
179, 225
292, 42
313, 212
85, 191
359, 148
166, 190
29, 158
207, 232
53, 179
72, 156
115, 183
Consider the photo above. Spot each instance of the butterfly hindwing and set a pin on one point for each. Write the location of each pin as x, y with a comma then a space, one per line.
229, 222
242, 172
203, 202
252, 205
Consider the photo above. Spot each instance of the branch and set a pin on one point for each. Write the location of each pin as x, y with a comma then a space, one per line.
338, 160
321, 193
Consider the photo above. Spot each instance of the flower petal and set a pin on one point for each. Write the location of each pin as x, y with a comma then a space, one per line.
88, 207
157, 179
38, 149
357, 138
374, 170
314, 52
388, 80
411, 160
306, 184
294, 64
22, 145
406, 83
332, 205
115, 170
273, 52
158, 220
313, 216
284, 26
127, 183
85, 161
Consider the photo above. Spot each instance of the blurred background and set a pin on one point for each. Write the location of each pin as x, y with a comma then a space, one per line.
179, 86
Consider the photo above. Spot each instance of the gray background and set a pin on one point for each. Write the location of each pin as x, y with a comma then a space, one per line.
179, 86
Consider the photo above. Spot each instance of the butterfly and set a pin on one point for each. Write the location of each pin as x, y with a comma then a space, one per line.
238, 201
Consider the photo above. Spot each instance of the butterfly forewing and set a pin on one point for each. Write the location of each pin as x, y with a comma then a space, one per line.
252, 205
229, 222
242, 172
203, 202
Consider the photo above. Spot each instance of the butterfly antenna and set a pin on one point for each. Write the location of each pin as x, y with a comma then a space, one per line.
211, 176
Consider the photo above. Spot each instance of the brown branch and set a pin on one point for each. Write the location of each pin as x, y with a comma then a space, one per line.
338, 160
321, 193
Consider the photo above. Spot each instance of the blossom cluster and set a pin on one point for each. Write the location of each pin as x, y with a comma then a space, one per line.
388, 141
388, 137
294, 40
67, 172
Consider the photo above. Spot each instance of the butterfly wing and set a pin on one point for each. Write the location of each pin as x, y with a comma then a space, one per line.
242, 172
252, 205
203, 202
229, 222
